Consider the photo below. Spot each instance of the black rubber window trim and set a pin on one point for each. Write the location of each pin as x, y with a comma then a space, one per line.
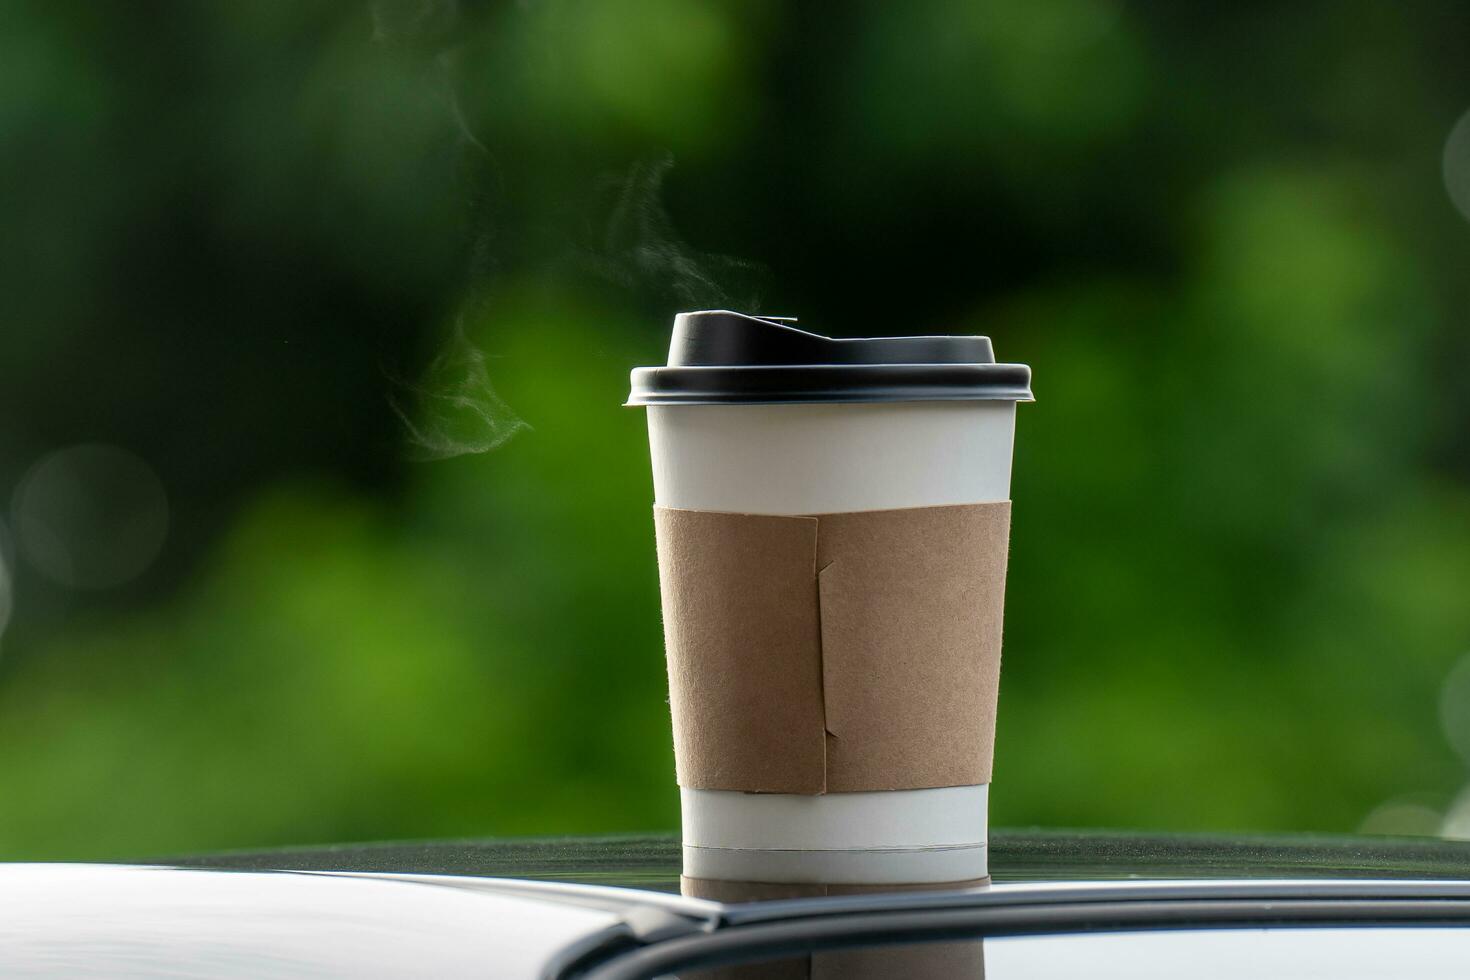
774, 938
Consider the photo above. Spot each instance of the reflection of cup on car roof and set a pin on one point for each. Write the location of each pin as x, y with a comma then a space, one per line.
962, 958
914, 961
832, 521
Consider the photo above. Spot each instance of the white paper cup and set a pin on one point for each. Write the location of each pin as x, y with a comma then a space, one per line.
823, 457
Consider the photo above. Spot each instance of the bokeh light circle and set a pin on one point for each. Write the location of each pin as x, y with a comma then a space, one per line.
7, 591
1454, 707
1457, 165
90, 516
1456, 825
1402, 818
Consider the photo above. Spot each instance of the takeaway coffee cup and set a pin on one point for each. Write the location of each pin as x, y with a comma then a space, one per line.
832, 521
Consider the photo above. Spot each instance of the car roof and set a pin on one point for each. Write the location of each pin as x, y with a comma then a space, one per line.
117, 919
609, 907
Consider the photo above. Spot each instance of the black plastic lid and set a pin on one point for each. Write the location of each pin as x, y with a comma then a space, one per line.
719, 358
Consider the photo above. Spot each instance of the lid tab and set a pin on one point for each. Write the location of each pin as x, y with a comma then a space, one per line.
718, 337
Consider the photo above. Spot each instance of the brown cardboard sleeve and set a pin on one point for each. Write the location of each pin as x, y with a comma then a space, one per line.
833, 653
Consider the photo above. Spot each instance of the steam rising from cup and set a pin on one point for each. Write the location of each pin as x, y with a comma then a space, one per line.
453, 409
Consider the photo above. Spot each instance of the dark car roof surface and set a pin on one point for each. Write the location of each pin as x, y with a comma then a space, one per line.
652, 861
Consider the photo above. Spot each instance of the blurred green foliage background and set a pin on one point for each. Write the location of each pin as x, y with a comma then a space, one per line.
322, 521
